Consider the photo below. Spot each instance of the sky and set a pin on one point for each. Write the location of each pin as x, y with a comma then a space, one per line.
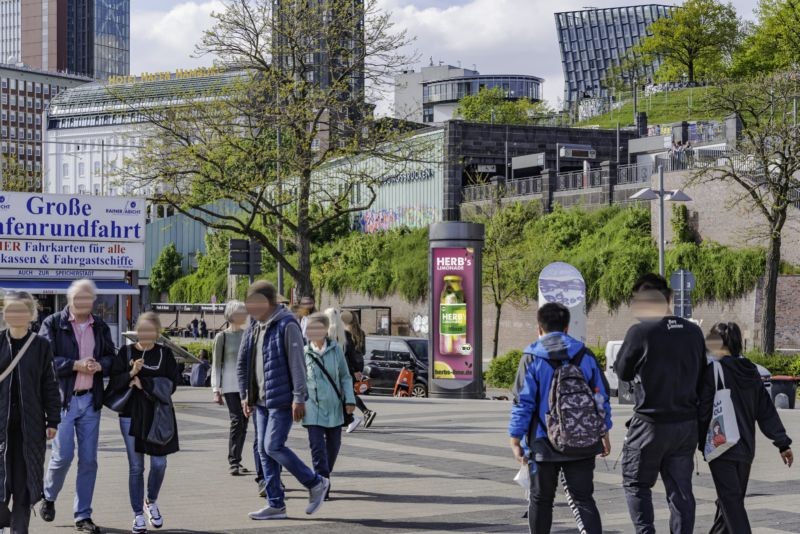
496, 36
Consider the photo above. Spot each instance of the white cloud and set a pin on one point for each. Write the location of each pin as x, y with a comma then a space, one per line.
165, 40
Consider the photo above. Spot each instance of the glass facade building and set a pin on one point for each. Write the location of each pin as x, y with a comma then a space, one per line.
592, 40
452, 90
98, 37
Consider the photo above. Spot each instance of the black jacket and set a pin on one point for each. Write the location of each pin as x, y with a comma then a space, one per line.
141, 407
354, 357
40, 408
752, 404
666, 357
58, 331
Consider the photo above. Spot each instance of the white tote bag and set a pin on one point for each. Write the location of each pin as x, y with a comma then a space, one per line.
723, 432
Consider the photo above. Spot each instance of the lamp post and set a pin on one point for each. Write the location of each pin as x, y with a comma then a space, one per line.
661, 195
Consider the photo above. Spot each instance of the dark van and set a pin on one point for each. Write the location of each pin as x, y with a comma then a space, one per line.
386, 356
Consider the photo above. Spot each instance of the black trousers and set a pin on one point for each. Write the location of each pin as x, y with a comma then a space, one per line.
360, 405
665, 449
19, 517
730, 479
238, 433
578, 480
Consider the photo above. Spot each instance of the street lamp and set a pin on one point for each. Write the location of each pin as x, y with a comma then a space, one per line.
661, 195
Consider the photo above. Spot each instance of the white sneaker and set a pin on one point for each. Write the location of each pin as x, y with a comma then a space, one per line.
316, 495
268, 513
139, 525
154, 514
352, 426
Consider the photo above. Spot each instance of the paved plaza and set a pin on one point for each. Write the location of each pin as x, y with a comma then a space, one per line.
425, 466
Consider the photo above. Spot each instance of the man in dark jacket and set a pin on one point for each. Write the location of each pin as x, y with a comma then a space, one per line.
272, 381
664, 356
528, 432
83, 352
752, 403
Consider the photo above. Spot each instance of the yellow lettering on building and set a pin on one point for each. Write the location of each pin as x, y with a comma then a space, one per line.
179, 74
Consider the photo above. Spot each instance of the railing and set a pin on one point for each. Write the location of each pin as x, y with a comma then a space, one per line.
479, 193
524, 186
571, 181
634, 173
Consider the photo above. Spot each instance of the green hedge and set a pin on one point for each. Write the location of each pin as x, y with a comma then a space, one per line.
776, 364
503, 370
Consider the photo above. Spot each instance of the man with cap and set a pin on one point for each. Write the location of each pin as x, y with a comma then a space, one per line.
272, 383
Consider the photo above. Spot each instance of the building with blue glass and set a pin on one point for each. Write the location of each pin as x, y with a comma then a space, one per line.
592, 40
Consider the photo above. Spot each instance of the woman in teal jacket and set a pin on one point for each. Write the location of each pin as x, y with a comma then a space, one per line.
330, 393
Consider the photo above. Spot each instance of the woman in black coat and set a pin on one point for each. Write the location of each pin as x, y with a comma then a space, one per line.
29, 411
752, 404
148, 369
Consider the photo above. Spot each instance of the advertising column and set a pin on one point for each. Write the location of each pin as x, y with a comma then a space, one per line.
455, 339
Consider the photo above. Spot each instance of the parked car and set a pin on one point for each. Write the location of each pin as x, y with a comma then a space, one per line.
386, 356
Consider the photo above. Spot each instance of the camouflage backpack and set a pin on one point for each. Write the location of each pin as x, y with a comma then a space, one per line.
574, 425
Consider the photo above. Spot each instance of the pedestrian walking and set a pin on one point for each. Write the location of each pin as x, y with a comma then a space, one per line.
203, 329
225, 385
82, 352
30, 410
664, 356
147, 373
272, 382
354, 352
330, 394
195, 324
307, 307
554, 361
751, 403
199, 377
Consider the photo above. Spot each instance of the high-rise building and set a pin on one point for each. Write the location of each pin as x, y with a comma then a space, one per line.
432, 94
84, 37
592, 40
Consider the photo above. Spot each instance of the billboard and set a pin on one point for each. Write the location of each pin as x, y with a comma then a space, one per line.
453, 317
45, 234
562, 283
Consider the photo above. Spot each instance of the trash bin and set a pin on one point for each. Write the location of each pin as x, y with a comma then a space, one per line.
786, 385
625, 392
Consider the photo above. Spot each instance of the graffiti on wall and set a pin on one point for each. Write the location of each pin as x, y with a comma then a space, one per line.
412, 217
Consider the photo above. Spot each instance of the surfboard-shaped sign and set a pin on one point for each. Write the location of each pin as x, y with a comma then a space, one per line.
562, 283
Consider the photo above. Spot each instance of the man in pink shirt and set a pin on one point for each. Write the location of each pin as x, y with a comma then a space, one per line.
82, 352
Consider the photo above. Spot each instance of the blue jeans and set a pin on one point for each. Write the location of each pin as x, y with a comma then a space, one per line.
325, 444
80, 421
158, 467
273, 431
256, 454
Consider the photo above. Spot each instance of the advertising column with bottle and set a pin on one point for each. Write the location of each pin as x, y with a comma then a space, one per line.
456, 313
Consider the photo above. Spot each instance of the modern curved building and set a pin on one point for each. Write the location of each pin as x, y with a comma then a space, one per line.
432, 94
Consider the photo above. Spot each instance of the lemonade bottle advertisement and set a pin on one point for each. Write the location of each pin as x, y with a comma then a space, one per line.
453, 270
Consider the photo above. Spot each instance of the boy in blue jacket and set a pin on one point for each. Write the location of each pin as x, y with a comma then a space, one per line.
528, 432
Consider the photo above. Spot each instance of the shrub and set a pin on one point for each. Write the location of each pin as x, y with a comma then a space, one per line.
600, 354
194, 347
776, 364
503, 370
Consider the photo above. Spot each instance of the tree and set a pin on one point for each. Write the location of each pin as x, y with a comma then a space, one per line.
699, 36
14, 175
766, 167
773, 43
492, 105
631, 66
278, 148
166, 270
508, 275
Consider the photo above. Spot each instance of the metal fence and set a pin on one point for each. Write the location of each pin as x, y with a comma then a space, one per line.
524, 186
634, 173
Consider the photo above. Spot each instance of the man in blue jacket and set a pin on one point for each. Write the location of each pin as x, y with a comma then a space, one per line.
82, 353
528, 430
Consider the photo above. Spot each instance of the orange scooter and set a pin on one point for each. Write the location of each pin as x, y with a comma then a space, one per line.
405, 381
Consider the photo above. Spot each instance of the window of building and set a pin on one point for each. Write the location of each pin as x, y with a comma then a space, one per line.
315, 144
13, 100
65, 189
13, 83
38, 103
65, 170
97, 167
81, 169
81, 189
29, 118
47, 89
4, 98
4, 115
38, 87
4, 83
38, 151
13, 132
29, 151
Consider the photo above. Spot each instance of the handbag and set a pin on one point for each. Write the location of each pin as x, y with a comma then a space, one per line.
117, 400
348, 417
723, 431
17, 358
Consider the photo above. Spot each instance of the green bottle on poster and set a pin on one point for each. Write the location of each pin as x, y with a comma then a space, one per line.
452, 317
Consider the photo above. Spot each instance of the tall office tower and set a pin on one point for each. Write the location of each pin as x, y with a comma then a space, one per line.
592, 40
83, 37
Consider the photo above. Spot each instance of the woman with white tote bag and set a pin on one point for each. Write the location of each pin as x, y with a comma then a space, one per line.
732, 400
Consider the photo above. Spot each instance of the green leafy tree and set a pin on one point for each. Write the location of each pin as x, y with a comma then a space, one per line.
698, 38
492, 105
766, 167
508, 272
166, 270
623, 74
773, 43
14, 175
277, 150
